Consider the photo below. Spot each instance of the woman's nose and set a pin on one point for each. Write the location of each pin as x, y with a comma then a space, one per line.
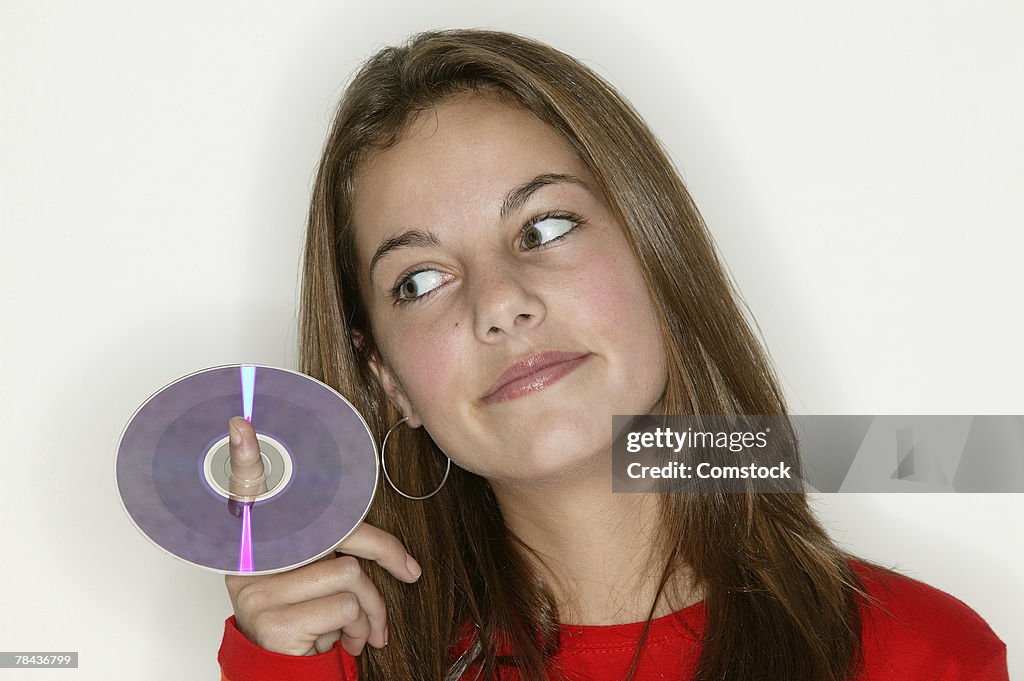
503, 305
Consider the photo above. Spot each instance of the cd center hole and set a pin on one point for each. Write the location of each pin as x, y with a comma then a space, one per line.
267, 468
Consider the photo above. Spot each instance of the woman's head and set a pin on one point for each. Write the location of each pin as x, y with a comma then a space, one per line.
506, 308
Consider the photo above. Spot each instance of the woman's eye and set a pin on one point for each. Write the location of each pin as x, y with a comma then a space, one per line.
545, 230
418, 284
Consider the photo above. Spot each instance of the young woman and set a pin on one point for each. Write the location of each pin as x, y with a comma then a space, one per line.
500, 257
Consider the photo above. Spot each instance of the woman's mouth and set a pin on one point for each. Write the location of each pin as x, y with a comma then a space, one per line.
532, 374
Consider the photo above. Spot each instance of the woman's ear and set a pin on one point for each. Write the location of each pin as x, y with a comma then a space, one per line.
393, 389
386, 378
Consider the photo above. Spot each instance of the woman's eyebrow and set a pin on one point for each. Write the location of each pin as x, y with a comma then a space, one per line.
519, 195
410, 239
514, 200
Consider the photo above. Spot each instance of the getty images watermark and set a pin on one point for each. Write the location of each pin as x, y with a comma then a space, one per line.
764, 454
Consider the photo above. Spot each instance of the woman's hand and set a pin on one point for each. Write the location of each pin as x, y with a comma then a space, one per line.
306, 610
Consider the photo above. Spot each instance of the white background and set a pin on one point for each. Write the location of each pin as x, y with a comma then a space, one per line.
860, 167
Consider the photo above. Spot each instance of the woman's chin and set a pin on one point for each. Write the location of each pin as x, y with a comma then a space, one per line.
554, 462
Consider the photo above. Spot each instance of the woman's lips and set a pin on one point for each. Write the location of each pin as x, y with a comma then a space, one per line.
532, 374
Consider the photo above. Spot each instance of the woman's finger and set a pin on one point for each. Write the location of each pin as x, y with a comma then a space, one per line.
337, 613
355, 636
316, 580
327, 641
295, 629
373, 543
247, 475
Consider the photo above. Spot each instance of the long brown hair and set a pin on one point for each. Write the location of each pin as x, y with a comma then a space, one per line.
780, 598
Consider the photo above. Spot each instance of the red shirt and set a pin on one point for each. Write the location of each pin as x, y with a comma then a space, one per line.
924, 634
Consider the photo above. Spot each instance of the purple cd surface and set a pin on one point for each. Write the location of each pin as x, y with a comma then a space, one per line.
173, 468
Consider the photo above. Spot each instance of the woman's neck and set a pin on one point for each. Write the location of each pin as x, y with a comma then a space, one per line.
600, 550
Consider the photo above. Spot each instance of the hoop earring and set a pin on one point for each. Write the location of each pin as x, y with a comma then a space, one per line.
384, 465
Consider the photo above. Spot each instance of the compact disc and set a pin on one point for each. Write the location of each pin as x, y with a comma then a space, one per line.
319, 458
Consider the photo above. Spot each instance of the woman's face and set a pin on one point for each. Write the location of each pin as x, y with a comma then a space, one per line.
509, 313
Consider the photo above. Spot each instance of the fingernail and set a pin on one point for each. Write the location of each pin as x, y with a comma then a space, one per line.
413, 567
236, 437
